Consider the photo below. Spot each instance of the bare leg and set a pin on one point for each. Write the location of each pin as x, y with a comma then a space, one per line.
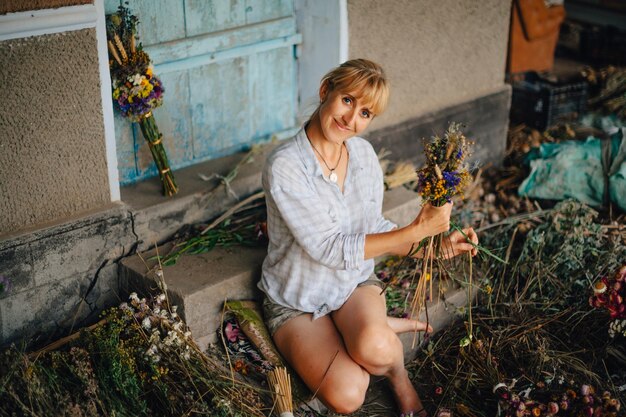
315, 350
399, 325
372, 343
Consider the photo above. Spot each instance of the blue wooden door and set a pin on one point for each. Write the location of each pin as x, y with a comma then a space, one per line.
229, 72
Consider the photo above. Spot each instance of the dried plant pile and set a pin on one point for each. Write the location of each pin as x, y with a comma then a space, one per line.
518, 366
539, 348
139, 361
555, 260
611, 85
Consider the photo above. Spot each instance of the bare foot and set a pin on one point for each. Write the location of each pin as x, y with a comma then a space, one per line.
405, 395
399, 325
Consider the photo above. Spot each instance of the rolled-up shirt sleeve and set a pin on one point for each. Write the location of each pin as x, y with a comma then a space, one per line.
314, 225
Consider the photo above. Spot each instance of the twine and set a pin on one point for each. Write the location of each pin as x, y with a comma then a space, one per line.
165, 171
156, 142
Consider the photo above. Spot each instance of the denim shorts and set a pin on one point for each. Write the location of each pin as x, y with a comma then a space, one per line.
276, 315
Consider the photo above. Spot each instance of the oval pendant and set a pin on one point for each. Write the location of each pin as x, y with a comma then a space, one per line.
332, 177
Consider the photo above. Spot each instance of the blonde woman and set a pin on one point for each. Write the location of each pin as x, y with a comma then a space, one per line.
323, 305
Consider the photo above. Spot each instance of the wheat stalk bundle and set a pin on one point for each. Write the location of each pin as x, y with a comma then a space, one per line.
280, 384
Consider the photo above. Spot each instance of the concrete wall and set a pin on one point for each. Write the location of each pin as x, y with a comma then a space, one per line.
62, 276
11, 6
436, 54
52, 146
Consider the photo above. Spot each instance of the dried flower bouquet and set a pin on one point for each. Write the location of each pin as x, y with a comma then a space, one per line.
136, 90
444, 176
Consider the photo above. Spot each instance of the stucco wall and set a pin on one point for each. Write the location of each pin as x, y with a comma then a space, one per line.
52, 146
436, 53
10, 6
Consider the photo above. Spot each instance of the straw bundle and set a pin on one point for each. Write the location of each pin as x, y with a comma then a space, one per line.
280, 384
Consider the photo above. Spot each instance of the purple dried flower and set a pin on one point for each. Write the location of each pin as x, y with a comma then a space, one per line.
452, 178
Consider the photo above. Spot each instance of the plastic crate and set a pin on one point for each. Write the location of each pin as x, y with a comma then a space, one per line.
539, 103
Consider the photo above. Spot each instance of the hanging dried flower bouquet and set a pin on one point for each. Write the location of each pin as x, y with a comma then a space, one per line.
136, 90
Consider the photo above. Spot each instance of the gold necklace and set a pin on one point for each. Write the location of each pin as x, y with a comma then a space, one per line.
332, 176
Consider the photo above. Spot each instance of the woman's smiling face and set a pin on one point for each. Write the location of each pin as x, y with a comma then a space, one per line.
342, 115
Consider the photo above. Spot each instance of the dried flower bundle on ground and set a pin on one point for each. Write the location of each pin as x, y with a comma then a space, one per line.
139, 361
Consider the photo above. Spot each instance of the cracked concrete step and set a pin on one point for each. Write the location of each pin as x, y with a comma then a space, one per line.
199, 284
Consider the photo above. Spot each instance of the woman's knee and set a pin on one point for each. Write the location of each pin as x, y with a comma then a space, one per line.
376, 346
345, 393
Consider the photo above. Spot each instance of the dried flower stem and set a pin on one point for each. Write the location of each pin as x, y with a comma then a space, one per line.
230, 365
120, 47
114, 53
419, 299
469, 298
63, 341
154, 137
233, 210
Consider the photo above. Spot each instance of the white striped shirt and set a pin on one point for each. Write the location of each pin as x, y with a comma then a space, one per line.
317, 233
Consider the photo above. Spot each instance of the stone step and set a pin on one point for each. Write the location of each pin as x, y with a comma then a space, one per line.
199, 284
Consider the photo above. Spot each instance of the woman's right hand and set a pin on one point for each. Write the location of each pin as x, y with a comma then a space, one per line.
432, 220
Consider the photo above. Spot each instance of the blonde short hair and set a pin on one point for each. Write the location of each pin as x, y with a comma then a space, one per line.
362, 79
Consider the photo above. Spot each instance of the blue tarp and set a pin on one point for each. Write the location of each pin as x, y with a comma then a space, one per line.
574, 169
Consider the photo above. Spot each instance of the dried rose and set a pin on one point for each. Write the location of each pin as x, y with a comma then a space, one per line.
553, 408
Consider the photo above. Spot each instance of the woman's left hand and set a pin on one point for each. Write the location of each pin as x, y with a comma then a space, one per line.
456, 244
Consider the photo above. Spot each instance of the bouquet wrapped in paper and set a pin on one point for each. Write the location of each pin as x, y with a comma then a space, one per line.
136, 90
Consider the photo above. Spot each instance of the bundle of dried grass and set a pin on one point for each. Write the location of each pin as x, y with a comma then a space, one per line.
402, 173
280, 384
